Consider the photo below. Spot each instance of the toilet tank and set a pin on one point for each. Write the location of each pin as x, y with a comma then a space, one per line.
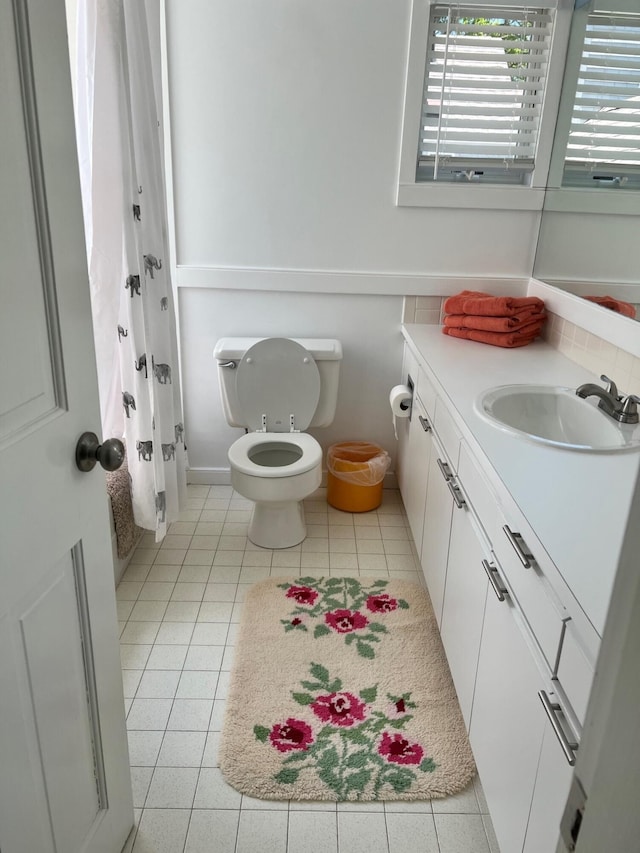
326, 352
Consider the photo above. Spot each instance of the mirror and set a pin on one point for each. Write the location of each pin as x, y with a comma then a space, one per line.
589, 234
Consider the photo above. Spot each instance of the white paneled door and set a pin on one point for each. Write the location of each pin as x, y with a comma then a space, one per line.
64, 774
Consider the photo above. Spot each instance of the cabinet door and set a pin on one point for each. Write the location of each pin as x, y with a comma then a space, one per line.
550, 795
507, 723
437, 528
464, 604
414, 469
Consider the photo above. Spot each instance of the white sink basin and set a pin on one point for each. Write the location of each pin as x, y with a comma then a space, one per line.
555, 416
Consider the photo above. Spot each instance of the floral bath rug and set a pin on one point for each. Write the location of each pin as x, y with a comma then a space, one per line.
341, 691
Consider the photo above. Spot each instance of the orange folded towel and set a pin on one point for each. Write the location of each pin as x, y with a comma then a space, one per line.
486, 305
455, 304
624, 308
496, 339
495, 324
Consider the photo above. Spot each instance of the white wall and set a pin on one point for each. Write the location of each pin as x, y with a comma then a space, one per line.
286, 120
285, 139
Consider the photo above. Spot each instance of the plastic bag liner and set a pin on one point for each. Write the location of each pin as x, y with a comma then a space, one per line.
358, 462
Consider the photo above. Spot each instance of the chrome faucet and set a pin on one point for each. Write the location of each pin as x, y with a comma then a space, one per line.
617, 406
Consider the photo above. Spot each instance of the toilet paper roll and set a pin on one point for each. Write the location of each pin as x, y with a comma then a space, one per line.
400, 401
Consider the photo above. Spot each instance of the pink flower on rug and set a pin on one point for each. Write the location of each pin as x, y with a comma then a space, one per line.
345, 621
398, 749
397, 709
381, 603
294, 734
302, 594
340, 709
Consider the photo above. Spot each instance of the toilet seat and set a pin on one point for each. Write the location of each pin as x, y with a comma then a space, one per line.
278, 379
241, 450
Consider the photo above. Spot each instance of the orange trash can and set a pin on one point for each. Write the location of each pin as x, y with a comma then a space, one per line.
355, 475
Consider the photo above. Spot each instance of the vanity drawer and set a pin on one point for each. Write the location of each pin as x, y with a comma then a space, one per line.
410, 370
477, 490
447, 433
575, 672
427, 394
537, 601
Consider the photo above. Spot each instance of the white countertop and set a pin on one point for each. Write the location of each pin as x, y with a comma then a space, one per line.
577, 503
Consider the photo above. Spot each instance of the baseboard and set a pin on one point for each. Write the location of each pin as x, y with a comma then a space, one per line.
222, 477
209, 476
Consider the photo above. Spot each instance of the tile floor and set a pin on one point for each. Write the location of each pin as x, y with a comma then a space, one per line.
179, 606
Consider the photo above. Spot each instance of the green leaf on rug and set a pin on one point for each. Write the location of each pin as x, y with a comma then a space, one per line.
402, 604
400, 780
349, 638
335, 685
369, 694
320, 672
298, 756
365, 650
380, 583
332, 604
306, 581
428, 765
303, 698
378, 626
357, 759
324, 733
401, 722
357, 781
261, 733
329, 778
329, 758
321, 630
287, 776
355, 736
312, 685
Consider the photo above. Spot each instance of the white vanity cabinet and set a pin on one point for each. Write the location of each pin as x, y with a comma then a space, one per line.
553, 780
414, 450
464, 605
509, 624
507, 723
434, 551
414, 453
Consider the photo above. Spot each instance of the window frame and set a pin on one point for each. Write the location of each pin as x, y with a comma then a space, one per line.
413, 193
584, 199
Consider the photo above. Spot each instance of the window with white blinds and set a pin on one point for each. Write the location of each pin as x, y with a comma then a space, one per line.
604, 139
483, 92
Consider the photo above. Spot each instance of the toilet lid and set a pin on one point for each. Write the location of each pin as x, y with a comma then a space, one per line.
278, 377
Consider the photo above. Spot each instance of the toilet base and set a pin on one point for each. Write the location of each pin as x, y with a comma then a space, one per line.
277, 524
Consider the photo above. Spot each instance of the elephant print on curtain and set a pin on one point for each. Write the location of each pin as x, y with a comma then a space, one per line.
120, 134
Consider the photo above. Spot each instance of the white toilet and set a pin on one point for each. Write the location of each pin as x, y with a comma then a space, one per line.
276, 388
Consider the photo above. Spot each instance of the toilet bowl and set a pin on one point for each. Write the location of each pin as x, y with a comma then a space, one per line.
277, 471
273, 388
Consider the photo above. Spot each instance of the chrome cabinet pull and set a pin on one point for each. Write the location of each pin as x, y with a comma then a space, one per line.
456, 493
551, 708
444, 469
426, 426
515, 539
494, 580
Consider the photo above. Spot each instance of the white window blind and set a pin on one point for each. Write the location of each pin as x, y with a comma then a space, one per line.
483, 92
604, 139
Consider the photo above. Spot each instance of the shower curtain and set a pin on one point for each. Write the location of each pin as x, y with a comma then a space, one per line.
119, 130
